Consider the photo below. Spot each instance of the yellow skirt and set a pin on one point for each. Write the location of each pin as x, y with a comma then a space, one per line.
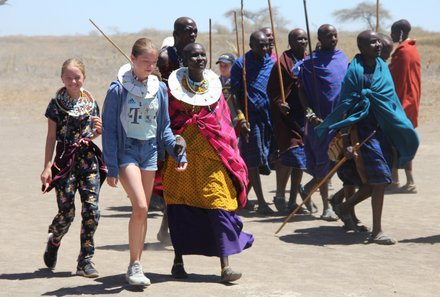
205, 183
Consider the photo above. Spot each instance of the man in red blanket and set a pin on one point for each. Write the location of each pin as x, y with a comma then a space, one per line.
406, 72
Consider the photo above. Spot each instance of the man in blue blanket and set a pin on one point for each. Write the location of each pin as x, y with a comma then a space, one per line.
369, 103
320, 89
256, 139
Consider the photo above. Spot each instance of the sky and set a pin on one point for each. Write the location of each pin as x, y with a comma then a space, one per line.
65, 17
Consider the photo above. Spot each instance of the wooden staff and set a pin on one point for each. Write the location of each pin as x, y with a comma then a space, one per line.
246, 114
236, 34
317, 109
111, 41
377, 16
280, 75
210, 45
356, 147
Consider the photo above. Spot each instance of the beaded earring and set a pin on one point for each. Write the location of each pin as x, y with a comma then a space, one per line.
401, 36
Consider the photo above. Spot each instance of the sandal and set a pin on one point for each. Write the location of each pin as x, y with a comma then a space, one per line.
392, 188
265, 210
229, 275
302, 211
406, 189
311, 206
329, 215
178, 271
335, 205
280, 203
382, 239
349, 224
359, 226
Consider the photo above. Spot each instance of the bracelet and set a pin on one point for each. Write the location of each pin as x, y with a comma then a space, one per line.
240, 117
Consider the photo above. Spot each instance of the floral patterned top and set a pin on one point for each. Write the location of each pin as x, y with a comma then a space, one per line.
73, 118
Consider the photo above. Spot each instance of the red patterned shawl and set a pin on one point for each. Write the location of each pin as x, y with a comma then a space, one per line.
214, 123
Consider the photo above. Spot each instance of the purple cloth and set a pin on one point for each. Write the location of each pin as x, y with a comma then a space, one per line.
207, 232
330, 69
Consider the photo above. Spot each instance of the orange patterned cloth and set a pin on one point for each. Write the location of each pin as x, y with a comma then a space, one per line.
205, 184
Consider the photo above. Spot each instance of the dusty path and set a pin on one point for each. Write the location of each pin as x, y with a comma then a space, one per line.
310, 257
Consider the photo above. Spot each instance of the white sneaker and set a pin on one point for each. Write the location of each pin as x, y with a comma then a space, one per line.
135, 275
329, 215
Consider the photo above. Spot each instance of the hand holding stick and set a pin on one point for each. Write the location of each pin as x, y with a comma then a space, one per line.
356, 147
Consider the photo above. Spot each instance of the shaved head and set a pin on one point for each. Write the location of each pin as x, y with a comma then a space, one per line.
403, 25
181, 23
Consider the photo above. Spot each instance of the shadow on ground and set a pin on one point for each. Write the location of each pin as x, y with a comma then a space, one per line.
37, 274
325, 235
116, 284
429, 239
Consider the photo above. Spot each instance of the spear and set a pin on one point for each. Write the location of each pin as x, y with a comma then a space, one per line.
280, 75
244, 68
377, 16
356, 147
317, 109
111, 41
210, 45
236, 34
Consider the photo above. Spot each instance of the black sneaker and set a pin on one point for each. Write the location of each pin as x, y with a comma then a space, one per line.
85, 268
50, 255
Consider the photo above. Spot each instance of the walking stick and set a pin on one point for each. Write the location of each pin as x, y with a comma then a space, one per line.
210, 45
236, 34
377, 15
356, 147
318, 110
280, 75
246, 114
111, 41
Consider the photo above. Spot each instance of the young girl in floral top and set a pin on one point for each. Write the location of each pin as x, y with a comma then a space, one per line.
73, 121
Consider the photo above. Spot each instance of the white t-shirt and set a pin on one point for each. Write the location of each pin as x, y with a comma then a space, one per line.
141, 115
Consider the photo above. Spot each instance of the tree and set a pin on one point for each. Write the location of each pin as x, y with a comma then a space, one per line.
364, 11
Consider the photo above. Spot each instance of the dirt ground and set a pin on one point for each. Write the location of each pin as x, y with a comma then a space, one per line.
309, 257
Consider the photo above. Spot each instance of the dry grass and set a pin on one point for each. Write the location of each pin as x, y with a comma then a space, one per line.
30, 66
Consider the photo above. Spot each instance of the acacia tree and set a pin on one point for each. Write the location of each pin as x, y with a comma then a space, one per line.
364, 11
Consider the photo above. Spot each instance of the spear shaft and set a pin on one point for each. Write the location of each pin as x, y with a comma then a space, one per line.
111, 41
315, 90
280, 75
244, 68
236, 34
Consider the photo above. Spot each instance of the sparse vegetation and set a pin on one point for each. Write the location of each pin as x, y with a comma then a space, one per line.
30, 66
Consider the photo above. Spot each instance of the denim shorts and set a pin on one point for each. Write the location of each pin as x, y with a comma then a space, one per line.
142, 153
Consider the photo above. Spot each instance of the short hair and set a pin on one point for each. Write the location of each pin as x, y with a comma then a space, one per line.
254, 36
323, 28
292, 33
403, 25
73, 62
143, 45
180, 23
363, 37
187, 49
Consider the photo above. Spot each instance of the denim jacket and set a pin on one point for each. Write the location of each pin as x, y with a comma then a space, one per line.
114, 133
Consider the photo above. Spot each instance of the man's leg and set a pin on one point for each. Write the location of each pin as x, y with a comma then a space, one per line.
255, 181
282, 177
377, 235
